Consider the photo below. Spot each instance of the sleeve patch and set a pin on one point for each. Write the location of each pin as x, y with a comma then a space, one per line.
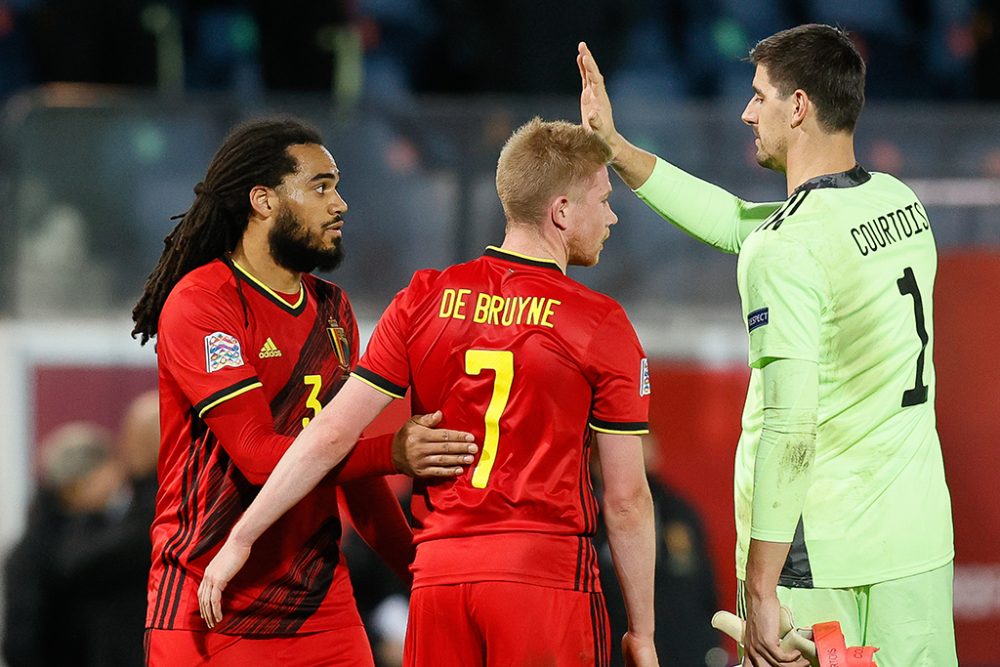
222, 350
644, 377
756, 319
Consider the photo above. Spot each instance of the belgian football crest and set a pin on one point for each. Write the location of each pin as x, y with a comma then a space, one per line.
338, 337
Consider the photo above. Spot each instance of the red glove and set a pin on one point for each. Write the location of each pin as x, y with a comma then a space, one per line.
832, 652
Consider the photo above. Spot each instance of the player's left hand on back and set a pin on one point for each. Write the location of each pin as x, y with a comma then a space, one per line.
218, 574
420, 450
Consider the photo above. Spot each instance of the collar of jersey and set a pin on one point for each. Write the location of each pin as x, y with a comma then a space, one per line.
267, 292
845, 179
518, 258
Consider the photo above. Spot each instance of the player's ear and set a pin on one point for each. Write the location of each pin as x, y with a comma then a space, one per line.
263, 200
801, 104
558, 211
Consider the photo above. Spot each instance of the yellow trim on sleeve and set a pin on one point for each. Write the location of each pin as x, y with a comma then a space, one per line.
641, 431
375, 386
223, 399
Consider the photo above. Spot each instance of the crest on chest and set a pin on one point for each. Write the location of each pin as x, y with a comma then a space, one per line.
341, 345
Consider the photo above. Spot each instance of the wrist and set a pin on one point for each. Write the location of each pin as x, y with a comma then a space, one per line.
617, 143
239, 537
641, 636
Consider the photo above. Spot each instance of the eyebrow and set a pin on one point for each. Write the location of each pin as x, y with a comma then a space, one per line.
333, 176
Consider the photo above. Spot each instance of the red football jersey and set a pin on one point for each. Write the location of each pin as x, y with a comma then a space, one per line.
529, 361
223, 333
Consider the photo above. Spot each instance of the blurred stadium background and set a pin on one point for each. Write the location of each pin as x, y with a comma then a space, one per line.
113, 108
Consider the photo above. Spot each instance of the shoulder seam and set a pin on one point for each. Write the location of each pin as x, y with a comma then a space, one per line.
786, 211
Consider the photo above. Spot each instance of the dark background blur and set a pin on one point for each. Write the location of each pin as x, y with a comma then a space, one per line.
110, 111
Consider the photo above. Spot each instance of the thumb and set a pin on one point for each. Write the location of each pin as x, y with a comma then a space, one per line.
429, 420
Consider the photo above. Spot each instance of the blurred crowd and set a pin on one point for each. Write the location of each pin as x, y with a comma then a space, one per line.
924, 49
75, 583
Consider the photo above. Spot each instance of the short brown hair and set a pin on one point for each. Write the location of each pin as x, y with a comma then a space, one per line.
822, 61
543, 159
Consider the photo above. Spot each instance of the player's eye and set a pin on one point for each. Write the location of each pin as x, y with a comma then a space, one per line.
321, 188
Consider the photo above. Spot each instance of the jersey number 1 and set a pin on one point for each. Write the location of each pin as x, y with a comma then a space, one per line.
908, 285
501, 362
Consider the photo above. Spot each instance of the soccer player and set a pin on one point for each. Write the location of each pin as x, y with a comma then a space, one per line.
541, 370
250, 346
842, 510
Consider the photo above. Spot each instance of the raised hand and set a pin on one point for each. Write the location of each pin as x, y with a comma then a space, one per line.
595, 105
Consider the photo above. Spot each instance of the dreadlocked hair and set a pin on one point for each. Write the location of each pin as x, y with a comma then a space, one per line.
254, 153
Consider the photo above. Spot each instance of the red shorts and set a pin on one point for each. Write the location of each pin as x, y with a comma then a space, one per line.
344, 647
506, 624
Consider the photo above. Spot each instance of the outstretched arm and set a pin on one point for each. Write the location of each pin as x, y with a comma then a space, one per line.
321, 446
703, 210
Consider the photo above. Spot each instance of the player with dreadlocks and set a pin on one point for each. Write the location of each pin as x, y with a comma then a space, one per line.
250, 346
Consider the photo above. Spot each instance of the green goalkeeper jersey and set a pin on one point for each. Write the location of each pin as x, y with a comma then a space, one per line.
842, 274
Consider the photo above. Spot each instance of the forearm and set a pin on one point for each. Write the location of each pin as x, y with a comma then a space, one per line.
632, 538
764, 564
304, 465
322, 445
630, 162
703, 210
787, 448
370, 457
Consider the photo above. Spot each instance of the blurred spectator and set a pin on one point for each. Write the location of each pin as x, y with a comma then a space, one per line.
76, 582
56, 606
60, 237
126, 542
685, 595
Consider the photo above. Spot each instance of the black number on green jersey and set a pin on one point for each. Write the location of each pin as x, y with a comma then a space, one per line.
908, 285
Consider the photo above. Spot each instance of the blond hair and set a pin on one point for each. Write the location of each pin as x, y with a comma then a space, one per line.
542, 160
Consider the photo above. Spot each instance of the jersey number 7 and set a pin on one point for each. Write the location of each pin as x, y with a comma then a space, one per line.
501, 362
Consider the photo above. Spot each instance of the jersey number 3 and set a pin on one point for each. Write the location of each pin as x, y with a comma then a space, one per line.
315, 384
501, 362
908, 285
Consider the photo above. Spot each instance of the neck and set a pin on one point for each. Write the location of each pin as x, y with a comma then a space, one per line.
528, 239
253, 254
812, 157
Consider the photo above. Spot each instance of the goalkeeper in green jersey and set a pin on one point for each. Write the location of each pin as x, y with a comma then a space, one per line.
842, 510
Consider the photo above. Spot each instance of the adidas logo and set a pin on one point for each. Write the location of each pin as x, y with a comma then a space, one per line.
270, 350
